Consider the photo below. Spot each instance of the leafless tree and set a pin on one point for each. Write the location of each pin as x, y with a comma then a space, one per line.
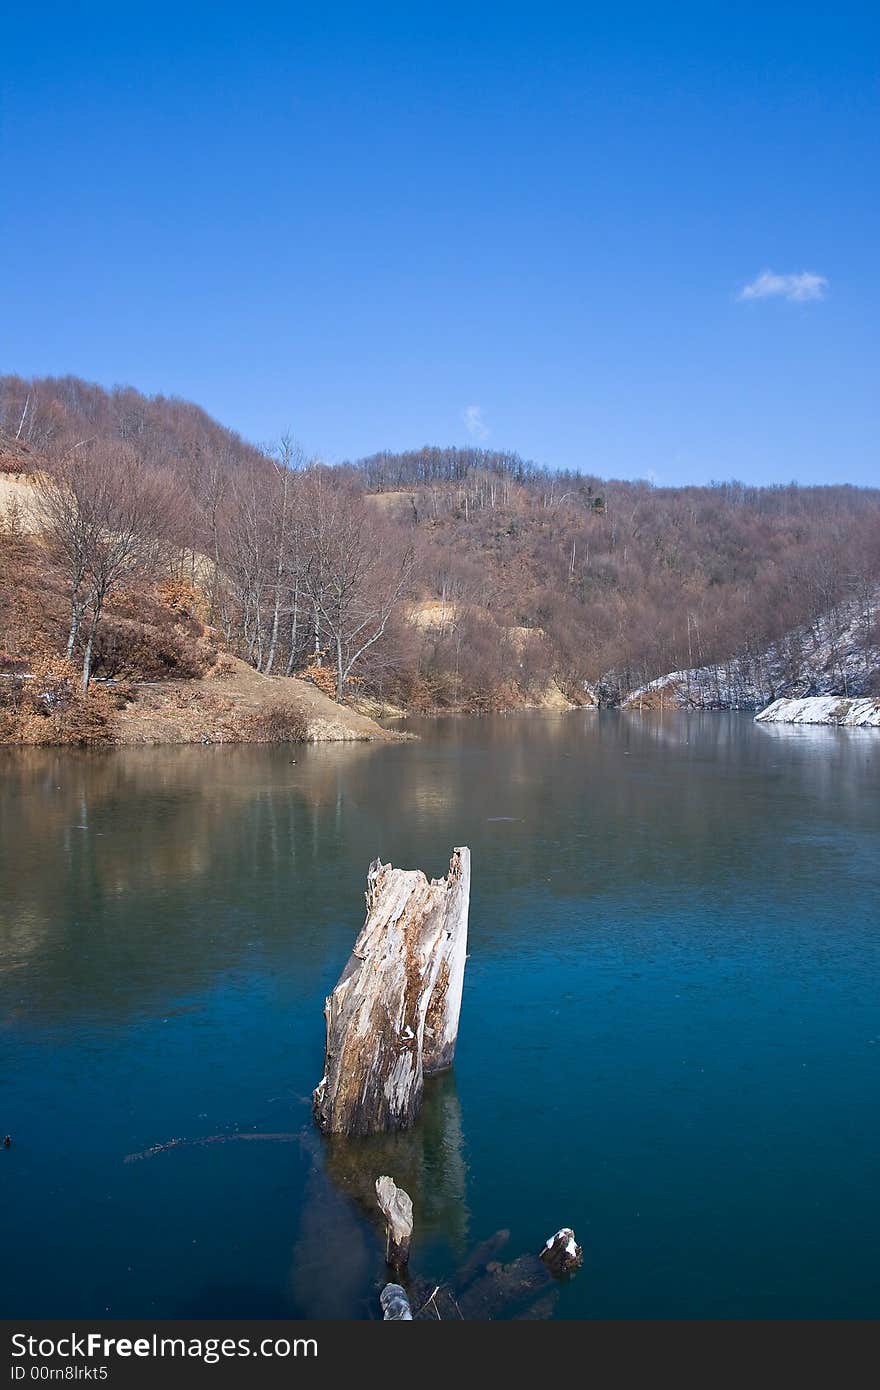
68, 507
285, 545
107, 522
356, 574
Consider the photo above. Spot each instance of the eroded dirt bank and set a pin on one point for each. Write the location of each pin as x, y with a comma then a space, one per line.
242, 707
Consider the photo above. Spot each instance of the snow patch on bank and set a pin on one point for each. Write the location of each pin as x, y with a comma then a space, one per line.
837, 655
824, 709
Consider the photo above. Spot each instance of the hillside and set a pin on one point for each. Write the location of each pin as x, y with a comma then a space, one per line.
838, 654
549, 585
164, 676
620, 581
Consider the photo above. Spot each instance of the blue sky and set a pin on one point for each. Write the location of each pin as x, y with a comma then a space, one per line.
526, 225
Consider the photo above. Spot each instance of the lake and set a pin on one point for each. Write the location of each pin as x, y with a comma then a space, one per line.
670, 1034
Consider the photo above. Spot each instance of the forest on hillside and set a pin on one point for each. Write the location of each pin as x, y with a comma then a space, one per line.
439, 577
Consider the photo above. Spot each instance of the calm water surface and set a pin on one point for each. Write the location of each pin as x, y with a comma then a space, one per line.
670, 1032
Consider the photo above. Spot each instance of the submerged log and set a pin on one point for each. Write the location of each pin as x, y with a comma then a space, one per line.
396, 1207
393, 1016
478, 1261
506, 1290
527, 1287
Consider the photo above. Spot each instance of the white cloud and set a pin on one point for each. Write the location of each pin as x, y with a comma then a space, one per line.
474, 422
797, 288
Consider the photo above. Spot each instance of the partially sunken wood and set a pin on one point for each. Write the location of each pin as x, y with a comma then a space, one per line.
396, 1207
393, 1017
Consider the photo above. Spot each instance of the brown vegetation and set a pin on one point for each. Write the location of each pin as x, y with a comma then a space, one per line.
48, 706
437, 578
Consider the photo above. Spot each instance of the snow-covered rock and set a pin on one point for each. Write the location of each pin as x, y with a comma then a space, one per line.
824, 709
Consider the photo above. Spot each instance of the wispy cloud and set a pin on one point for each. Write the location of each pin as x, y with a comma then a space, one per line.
797, 288
475, 423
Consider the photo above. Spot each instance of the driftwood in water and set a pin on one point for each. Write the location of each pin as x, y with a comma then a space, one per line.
508, 1289
485, 1254
486, 1288
396, 1207
393, 1017
395, 1304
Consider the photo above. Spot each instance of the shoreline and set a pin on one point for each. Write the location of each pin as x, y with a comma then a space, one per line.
238, 706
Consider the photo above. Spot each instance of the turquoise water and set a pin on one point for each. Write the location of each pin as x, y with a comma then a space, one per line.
670, 1032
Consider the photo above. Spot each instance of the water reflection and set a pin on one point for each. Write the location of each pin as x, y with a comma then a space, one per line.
113, 864
338, 1261
673, 959
120, 872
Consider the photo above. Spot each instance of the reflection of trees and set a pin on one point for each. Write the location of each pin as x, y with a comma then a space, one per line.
599, 803
141, 875
131, 865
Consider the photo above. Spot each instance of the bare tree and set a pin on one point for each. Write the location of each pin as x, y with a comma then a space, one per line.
107, 521
355, 576
247, 557
68, 511
285, 545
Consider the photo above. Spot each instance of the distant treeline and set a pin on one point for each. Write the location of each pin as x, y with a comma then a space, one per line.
446, 576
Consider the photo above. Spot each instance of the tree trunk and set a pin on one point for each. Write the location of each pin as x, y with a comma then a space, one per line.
291, 660
87, 654
273, 639
276, 616
393, 1016
75, 620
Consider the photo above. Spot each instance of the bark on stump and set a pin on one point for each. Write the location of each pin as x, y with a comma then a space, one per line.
393, 1017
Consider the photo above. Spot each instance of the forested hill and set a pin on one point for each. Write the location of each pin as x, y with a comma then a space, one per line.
53, 414
490, 575
625, 579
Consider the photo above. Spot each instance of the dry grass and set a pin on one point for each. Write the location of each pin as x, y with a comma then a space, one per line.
46, 706
278, 723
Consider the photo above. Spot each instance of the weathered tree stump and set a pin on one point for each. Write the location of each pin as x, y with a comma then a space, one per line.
393, 1016
561, 1254
396, 1207
395, 1304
